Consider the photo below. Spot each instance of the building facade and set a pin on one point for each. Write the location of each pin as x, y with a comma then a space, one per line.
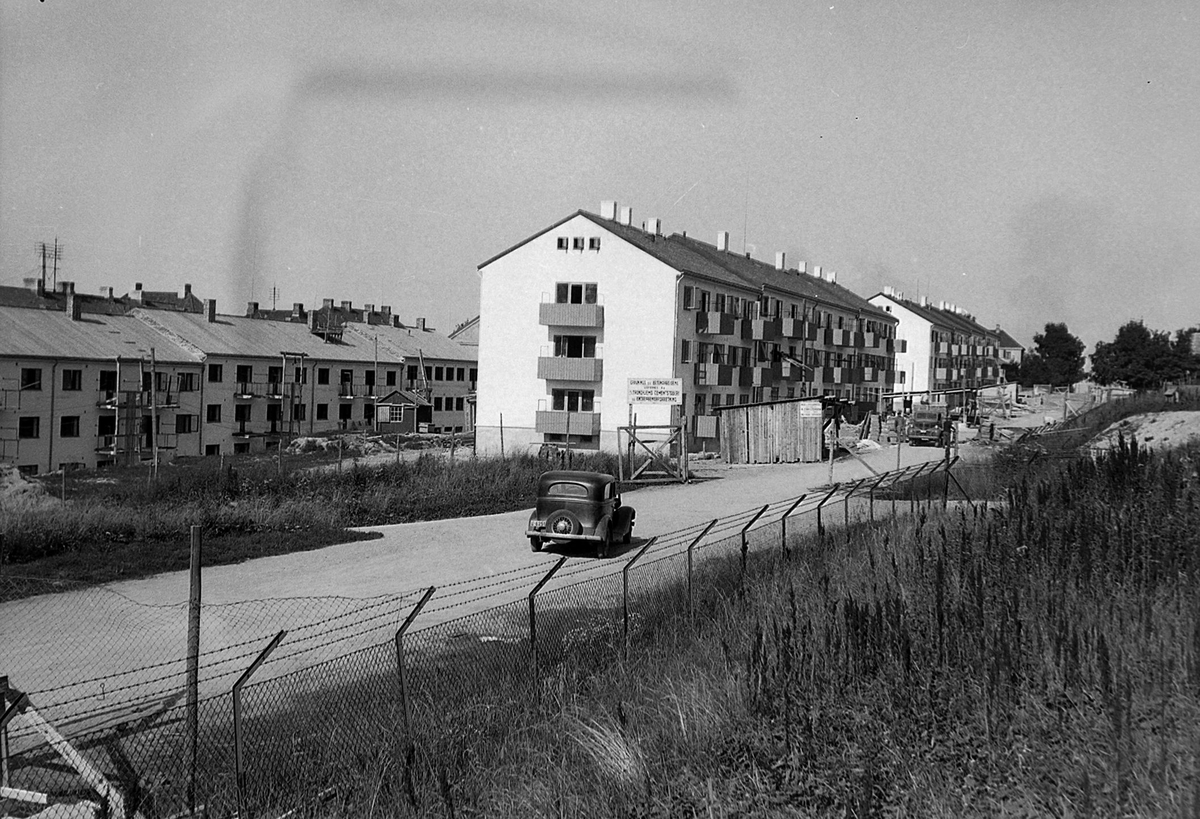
570, 314
92, 391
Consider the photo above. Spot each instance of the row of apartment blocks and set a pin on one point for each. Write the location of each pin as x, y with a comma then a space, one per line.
571, 313
91, 381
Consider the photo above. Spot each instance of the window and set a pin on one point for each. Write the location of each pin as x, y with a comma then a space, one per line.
216, 373
31, 378
689, 297
368, 412
299, 412
429, 373
275, 375
577, 243
212, 414
274, 413
107, 425
395, 413
68, 426
412, 372
185, 424
594, 243
699, 408
344, 411
187, 382
301, 375
437, 404
322, 412
346, 378
719, 303
575, 346
474, 374
72, 380
685, 351
212, 449
108, 380
322, 375
458, 404
241, 413
245, 373
563, 243
573, 400
705, 301
390, 378
241, 448
29, 426
575, 293
438, 374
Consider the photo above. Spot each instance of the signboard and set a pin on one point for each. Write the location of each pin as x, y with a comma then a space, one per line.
655, 390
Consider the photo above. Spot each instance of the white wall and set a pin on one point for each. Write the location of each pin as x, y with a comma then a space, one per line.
638, 294
913, 329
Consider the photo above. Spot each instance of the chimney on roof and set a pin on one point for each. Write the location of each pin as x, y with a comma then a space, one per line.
73, 305
210, 310
817, 271
654, 227
420, 323
608, 210
386, 311
831, 277
187, 290
802, 267
924, 301
347, 306
627, 216
106, 292
138, 293
251, 308
327, 304
723, 240
780, 260
297, 309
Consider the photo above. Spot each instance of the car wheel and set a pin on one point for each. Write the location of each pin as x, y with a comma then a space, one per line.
535, 544
562, 522
606, 544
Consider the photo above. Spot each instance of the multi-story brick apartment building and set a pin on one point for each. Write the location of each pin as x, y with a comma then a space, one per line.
569, 314
946, 349
80, 390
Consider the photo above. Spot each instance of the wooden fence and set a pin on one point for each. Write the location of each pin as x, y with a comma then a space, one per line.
776, 432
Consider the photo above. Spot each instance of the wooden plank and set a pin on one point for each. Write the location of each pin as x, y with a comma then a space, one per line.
24, 796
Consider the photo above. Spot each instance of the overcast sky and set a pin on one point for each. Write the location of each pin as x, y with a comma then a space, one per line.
1031, 162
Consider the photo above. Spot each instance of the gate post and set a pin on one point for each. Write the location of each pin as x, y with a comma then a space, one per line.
239, 762
625, 594
691, 546
408, 621
783, 524
533, 652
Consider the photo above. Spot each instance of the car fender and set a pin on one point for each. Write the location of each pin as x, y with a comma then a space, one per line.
603, 526
625, 517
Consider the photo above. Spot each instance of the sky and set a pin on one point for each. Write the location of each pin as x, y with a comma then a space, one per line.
1031, 162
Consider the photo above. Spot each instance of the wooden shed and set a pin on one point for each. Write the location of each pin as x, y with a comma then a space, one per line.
773, 432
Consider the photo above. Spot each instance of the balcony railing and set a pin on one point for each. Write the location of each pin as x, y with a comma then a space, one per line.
558, 368
764, 329
714, 324
562, 422
571, 315
838, 338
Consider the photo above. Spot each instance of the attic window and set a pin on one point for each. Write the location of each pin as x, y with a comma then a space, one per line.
578, 243
562, 243
594, 243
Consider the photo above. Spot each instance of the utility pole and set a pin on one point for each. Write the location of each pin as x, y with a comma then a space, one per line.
51, 254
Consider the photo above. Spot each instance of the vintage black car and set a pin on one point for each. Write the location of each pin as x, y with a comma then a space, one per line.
579, 506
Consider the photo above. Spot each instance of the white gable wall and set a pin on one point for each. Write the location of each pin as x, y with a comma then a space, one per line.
638, 295
915, 330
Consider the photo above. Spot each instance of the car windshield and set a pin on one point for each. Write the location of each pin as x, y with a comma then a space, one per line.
572, 490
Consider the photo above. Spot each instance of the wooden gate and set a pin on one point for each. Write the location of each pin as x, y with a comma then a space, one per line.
667, 457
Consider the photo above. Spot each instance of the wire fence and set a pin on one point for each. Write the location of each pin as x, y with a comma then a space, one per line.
326, 684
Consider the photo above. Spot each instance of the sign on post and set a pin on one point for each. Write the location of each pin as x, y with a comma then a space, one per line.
655, 390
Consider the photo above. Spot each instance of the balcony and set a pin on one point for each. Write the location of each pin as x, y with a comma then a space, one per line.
764, 329
571, 315
796, 328
715, 324
838, 338
790, 371
561, 422
348, 390
870, 375
244, 390
558, 368
764, 375
870, 340
941, 373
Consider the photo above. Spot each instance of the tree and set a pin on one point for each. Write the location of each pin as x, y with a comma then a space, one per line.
1057, 358
1142, 358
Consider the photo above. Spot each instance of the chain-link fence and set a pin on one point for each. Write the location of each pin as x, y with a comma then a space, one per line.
325, 685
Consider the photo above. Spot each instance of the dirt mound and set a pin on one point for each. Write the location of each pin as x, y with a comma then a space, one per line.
20, 495
1158, 429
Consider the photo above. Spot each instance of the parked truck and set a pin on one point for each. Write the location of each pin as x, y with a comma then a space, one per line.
927, 425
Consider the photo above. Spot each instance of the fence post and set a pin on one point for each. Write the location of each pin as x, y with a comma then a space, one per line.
691, 546
824, 500
239, 762
533, 652
783, 524
193, 668
408, 621
875, 486
912, 488
625, 593
745, 543
849, 495
8, 713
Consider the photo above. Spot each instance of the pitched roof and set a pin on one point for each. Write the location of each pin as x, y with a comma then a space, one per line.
1008, 341
409, 342
26, 333
404, 397
703, 260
